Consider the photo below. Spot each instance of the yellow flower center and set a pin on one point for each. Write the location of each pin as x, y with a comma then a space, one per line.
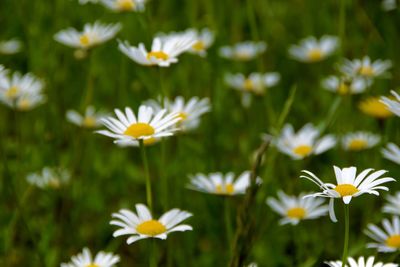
125, 5
242, 55
199, 46
54, 183
296, 213
343, 88
393, 241
248, 84
92, 265
139, 129
151, 228
375, 108
24, 104
149, 141
302, 150
315, 54
157, 54
357, 144
12, 92
366, 71
84, 39
183, 116
346, 189
226, 189
89, 122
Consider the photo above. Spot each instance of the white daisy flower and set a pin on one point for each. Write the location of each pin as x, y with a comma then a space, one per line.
388, 238
358, 141
393, 204
124, 5
189, 111
305, 142
391, 152
253, 264
312, 50
345, 86
365, 68
85, 259
10, 47
293, 209
146, 125
221, 184
164, 51
361, 262
255, 83
373, 106
389, 5
93, 34
393, 104
348, 185
91, 118
243, 51
204, 39
141, 224
28, 101
49, 178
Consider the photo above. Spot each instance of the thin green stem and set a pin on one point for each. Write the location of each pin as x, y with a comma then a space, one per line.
342, 23
153, 254
346, 235
147, 173
89, 87
228, 223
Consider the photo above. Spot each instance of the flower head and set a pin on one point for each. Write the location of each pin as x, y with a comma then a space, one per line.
391, 152
293, 209
312, 50
392, 104
141, 224
345, 86
256, 83
10, 47
388, 238
365, 67
243, 51
361, 262
204, 39
91, 118
393, 204
85, 259
358, 141
49, 178
125, 5
373, 106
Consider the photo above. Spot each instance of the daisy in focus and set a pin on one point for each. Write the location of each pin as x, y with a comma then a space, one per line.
361, 262
358, 141
388, 238
163, 53
392, 104
92, 35
293, 209
125, 5
128, 128
256, 83
91, 118
141, 225
373, 106
312, 50
365, 67
305, 142
392, 152
85, 259
10, 47
188, 111
348, 185
221, 184
244, 51
52, 178
345, 86
393, 204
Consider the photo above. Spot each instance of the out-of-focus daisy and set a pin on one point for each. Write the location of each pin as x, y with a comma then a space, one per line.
388, 5
49, 178
345, 86
204, 39
372, 106
393, 204
361, 262
83, 2
141, 224
253, 264
221, 184
391, 152
10, 47
294, 209
91, 118
393, 104
255, 83
348, 185
189, 111
312, 50
28, 101
146, 125
164, 51
365, 68
243, 51
359, 141
388, 238
305, 142
93, 34
85, 259
125, 5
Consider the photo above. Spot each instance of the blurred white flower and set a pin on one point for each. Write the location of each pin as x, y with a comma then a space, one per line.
10, 47
388, 238
393, 204
49, 178
83, 2
204, 39
312, 50
361, 262
392, 104
391, 152
243, 51
388, 5
85, 259
365, 67
345, 86
91, 118
358, 141
125, 5
256, 83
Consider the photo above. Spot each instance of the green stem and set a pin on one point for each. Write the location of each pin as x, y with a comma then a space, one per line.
89, 87
346, 235
147, 173
228, 224
153, 254
342, 23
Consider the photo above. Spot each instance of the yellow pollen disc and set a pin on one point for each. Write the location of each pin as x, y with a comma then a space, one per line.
84, 40
92, 265
54, 183
139, 129
149, 141
248, 85
357, 144
296, 213
199, 46
89, 122
346, 189
183, 116
24, 104
151, 228
12, 92
226, 189
242, 55
303, 150
125, 5
375, 108
343, 88
393, 241
315, 54
366, 71
157, 54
